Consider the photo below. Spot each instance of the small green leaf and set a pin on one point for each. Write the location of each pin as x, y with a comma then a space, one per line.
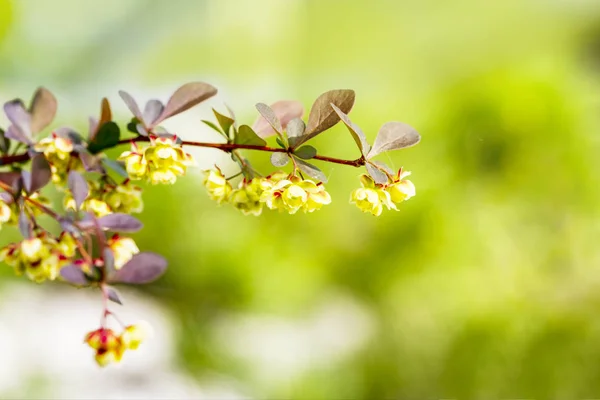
224, 121
108, 136
279, 159
306, 152
280, 143
311, 170
245, 135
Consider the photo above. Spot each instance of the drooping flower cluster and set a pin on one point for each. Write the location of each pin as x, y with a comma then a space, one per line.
110, 347
371, 197
278, 191
58, 152
160, 162
40, 258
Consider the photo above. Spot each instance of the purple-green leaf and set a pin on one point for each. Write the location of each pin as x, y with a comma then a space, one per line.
285, 110
15, 133
185, 98
322, 116
394, 136
40, 174
131, 104
43, 109
17, 114
119, 222
279, 159
357, 134
78, 187
153, 110
74, 275
311, 170
24, 225
143, 268
269, 116
375, 173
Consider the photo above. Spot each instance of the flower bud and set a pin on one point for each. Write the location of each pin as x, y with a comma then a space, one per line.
134, 335
108, 346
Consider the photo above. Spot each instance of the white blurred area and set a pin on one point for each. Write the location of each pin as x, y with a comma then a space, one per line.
43, 354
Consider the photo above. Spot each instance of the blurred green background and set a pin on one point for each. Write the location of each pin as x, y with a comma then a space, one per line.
485, 285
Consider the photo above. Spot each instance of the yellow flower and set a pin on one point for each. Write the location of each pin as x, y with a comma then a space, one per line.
66, 244
166, 160
124, 198
57, 151
371, 197
217, 185
5, 213
135, 164
247, 197
293, 194
40, 258
134, 335
401, 189
108, 346
123, 249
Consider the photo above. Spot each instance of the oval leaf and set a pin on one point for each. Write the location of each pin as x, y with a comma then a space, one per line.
78, 187
357, 134
74, 275
153, 110
40, 174
280, 159
295, 128
393, 136
119, 222
15, 133
311, 170
131, 104
306, 152
377, 175
116, 166
270, 118
43, 109
185, 98
143, 267
108, 136
17, 114
285, 110
245, 135
322, 116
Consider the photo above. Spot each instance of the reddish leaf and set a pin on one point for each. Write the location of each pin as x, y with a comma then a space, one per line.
40, 174
74, 275
131, 104
153, 110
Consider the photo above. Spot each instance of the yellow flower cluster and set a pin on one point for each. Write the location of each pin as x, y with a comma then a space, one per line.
107, 199
123, 249
110, 347
41, 257
6, 213
371, 197
161, 162
278, 191
57, 151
